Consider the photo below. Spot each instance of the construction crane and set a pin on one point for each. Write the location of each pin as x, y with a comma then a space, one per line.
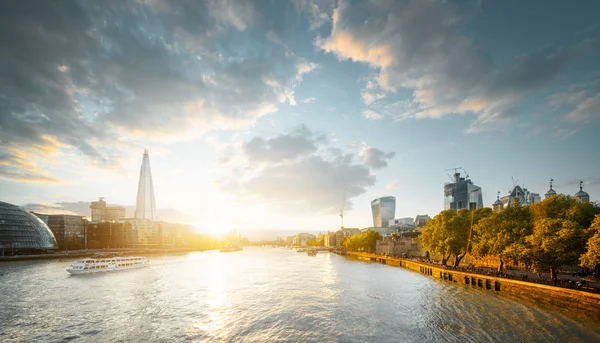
455, 171
342, 208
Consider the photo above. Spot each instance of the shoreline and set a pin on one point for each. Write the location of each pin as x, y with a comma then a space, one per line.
562, 298
90, 253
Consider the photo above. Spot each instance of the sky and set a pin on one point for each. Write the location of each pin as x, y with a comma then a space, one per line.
274, 115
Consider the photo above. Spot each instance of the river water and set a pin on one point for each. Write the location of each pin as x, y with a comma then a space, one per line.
265, 295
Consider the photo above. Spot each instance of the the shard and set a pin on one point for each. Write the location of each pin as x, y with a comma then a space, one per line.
145, 206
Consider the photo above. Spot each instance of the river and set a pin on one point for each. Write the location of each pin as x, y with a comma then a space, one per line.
265, 295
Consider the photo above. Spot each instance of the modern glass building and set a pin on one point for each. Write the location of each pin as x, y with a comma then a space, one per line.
22, 232
462, 193
145, 206
384, 210
524, 196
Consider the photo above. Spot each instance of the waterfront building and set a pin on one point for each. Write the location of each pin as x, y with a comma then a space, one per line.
329, 240
581, 196
522, 195
421, 220
145, 205
551, 191
22, 232
101, 212
398, 246
384, 210
69, 230
462, 194
347, 231
339, 237
301, 239
105, 235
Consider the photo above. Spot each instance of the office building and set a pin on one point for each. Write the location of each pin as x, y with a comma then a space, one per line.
21, 232
421, 220
522, 195
145, 206
402, 223
462, 194
101, 212
384, 210
69, 230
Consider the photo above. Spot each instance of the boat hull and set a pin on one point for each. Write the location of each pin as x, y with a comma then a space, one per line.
93, 271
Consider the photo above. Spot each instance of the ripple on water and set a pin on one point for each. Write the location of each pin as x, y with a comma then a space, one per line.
260, 295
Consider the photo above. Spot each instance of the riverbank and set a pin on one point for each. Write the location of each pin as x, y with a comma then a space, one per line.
90, 253
564, 298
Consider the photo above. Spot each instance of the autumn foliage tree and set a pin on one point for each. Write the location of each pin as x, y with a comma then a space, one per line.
449, 232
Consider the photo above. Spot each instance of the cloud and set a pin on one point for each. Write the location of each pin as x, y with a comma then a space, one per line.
300, 172
89, 75
418, 45
567, 98
370, 114
309, 100
23, 164
374, 157
316, 10
564, 133
311, 184
368, 98
392, 185
300, 142
586, 110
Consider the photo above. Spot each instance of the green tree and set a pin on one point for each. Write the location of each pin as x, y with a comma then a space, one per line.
449, 232
503, 234
556, 242
365, 241
591, 257
436, 234
565, 207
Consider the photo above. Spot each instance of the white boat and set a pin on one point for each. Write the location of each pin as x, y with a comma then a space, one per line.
107, 264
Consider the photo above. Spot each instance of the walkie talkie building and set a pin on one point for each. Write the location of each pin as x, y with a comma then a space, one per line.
145, 206
384, 210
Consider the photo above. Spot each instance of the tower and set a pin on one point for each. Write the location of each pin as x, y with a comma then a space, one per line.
498, 204
582, 196
384, 210
551, 191
145, 206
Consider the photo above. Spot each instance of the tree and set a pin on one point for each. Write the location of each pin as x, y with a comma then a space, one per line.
556, 242
503, 234
565, 207
436, 234
365, 241
448, 233
591, 258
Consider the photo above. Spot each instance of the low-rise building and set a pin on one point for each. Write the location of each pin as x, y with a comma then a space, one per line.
301, 239
400, 246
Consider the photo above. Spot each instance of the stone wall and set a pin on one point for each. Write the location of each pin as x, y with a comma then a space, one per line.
563, 298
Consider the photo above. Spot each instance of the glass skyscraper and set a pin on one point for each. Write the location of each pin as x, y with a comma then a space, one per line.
145, 206
384, 210
462, 194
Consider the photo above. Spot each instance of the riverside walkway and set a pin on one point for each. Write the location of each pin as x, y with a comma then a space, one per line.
569, 299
